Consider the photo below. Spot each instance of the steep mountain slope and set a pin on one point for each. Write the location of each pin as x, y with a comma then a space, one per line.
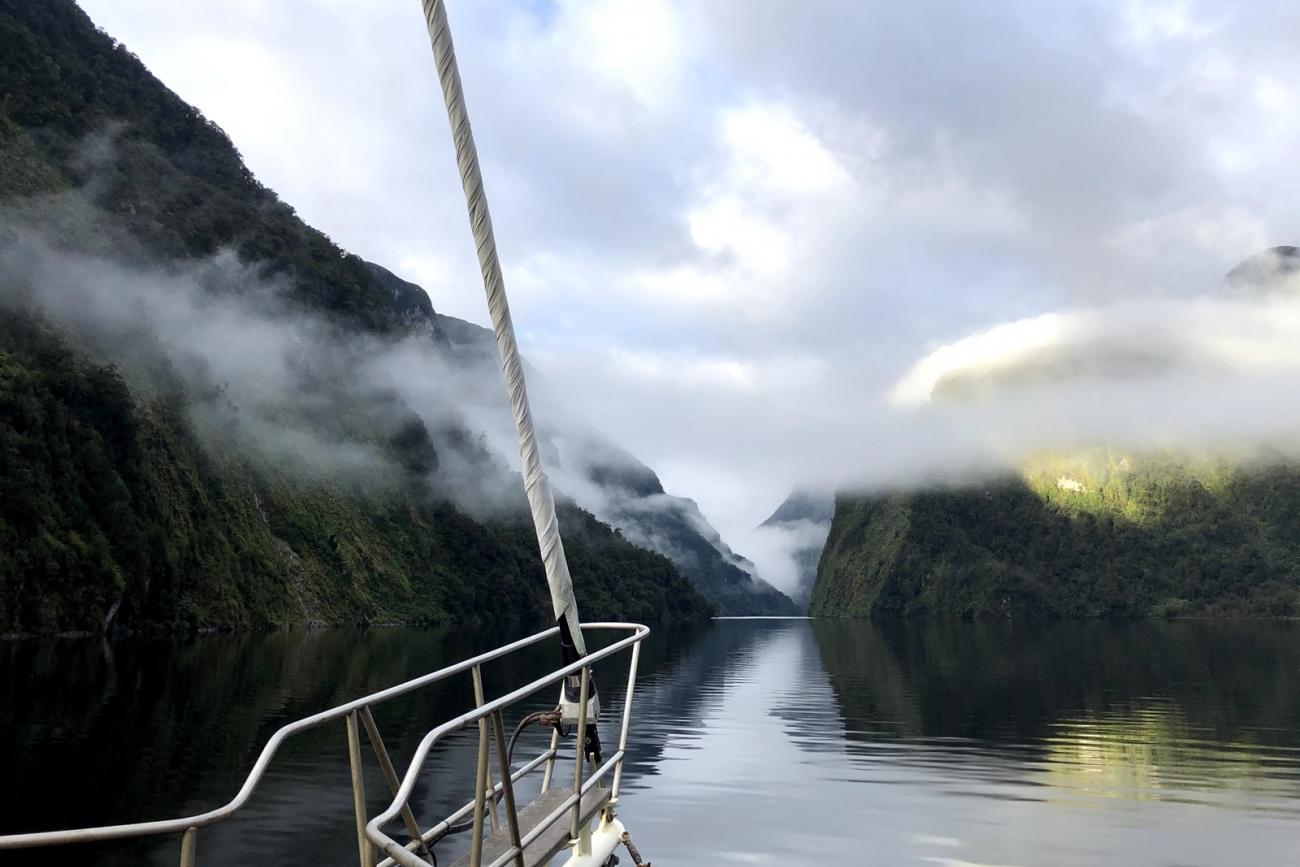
630, 496
1102, 534
1274, 271
1105, 532
149, 478
113, 508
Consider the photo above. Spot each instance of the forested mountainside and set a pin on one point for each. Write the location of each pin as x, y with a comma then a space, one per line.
144, 483
1100, 532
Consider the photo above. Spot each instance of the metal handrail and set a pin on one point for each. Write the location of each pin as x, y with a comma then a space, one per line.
189, 824
403, 855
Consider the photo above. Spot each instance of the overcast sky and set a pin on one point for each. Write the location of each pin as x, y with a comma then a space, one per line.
729, 227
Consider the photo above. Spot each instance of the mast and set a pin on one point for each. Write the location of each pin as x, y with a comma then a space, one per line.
541, 501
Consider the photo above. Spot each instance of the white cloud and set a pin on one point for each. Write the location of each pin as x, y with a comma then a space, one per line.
684, 371
1189, 248
762, 191
639, 44
758, 245
1147, 22
1003, 345
1141, 340
694, 371
687, 286
770, 150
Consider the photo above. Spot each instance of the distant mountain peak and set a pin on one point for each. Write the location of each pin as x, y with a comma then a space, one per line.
1275, 271
803, 504
798, 528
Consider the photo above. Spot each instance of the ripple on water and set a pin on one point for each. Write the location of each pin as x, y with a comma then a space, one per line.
754, 742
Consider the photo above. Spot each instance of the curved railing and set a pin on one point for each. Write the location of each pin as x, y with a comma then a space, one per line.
571, 805
357, 714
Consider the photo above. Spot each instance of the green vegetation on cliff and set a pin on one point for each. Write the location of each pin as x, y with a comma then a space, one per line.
1093, 535
79, 110
113, 508
139, 495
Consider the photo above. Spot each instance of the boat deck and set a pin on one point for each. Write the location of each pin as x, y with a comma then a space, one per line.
551, 841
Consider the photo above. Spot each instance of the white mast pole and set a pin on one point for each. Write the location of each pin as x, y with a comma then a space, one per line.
541, 500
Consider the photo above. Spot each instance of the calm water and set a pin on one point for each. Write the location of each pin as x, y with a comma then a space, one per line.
755, 742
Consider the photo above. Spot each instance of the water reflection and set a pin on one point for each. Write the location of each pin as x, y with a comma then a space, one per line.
1160, 743
758, 742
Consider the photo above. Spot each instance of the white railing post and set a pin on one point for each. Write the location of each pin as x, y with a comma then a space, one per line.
390, 775
579, 752
481, 793
627, 718
550, 761
484, 731
188, 843
358, 791
507, 786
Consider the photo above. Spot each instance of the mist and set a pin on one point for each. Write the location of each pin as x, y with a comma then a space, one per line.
299, 394
1195, 373
281, 386
1205, 373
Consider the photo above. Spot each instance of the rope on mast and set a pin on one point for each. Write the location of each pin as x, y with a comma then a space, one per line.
541, 500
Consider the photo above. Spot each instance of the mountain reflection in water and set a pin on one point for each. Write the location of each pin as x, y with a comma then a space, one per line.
755, 742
